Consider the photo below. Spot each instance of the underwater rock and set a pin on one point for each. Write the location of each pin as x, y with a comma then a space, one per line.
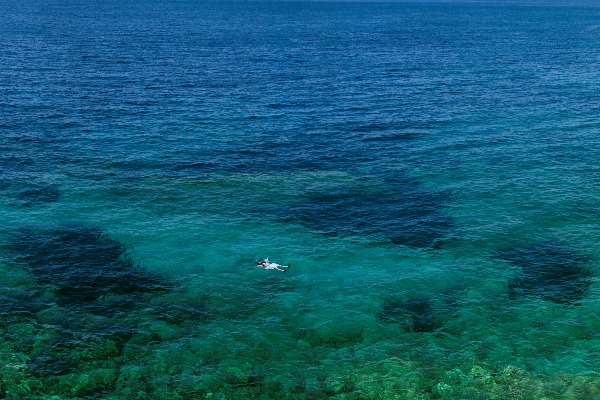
85, 268
70, 344
51, 365
400, 210
416, 315
331, 336
236, 381
548, 270
18, 305
119, 333
422, 313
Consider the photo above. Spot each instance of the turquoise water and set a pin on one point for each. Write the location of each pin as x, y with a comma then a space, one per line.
428, 170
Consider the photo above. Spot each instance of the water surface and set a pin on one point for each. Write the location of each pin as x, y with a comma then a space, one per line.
428, 169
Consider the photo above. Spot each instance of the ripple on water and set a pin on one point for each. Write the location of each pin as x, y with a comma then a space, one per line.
38, 194
30, 194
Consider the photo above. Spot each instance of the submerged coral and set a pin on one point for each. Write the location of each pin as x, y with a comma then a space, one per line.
422, 312
548, 270
416, 315
399, 209
18, 304
85, 268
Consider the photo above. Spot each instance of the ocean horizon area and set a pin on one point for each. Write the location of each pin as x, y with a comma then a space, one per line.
423, 178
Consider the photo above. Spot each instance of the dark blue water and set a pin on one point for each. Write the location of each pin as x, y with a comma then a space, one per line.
428, 169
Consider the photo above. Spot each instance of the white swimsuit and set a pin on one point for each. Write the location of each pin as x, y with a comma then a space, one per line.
269, 265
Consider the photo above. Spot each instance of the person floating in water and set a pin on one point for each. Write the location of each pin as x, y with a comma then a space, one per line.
269, 265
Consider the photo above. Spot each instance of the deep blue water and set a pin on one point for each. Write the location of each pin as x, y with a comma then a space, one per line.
428, 169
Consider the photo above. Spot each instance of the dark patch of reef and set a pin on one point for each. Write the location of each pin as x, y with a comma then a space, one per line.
84, 268
416, 315
84, 302
421, 312
16, 304
399, 209
548, 270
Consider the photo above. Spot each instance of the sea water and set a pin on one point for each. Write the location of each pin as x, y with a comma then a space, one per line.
429, 170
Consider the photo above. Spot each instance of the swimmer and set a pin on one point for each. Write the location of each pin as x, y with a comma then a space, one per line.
269, 265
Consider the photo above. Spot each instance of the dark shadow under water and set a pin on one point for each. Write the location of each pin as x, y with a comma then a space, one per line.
398, 209
548, 270
420, 313
84, 268
86, 301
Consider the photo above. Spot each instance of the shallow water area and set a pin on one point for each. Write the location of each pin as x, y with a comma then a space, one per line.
428, 170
